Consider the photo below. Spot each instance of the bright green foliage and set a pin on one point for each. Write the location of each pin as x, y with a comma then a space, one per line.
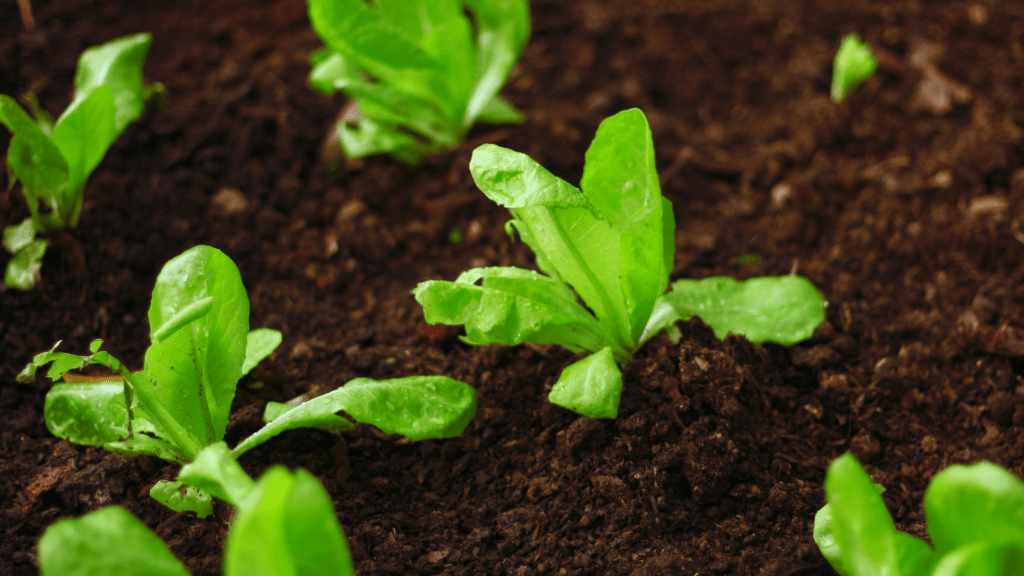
285, 524
975, 517
853, 65
182, 498
421, 72
107, 541
781, 309
201, 346
591, 386
611, 244
53, 160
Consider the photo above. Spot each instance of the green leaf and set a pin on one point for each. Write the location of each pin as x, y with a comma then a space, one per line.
416, 67
216, 472
503, 27
193, 371
359, 31
287, 525
117, 64
980, 503
182, 498
591, 387
501, 111
862, 530
417, 407
35, 160
571, 240
19, 236
782, 309
107, 541
983, 559
511, 307
621, 182
90, 414
83, 134
853, 65
328, 422
23, 268
260, 343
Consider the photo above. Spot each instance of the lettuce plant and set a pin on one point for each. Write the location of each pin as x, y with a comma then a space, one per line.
201, 346
611, 243
53, 160
420, 71
853, 65
284, 524
975, 518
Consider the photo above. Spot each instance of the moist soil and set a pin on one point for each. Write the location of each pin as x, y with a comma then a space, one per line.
902, 205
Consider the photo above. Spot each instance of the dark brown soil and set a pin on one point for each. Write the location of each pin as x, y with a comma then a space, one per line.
905, 212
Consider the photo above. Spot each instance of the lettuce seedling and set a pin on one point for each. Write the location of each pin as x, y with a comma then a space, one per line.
201, 346
285, 524
420, 72
54, 159
975, 518
610, 243
853, 65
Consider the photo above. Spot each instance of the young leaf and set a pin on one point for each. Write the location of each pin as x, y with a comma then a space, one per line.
420, 72
417, 407
198, 367
994, 558
108, 541
287, 525
862, 528
87, 413
216, 472
972, 504
23, 267
853, 65
117, 64
511, 307
591, 386
182, 498
855, 532
328, 422
259, 344
782, 309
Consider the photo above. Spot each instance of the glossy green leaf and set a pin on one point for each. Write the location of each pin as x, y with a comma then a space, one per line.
90, 414
23, 267
591, 387
216, 472
260, 343
853, 65
287, 525
512, 306
417, 407
108, 541
117, 64
501, 111
781, 309
328, 422
182, 498
83, 134
995, 558
621, 182
859, 538
193, 372
980, 503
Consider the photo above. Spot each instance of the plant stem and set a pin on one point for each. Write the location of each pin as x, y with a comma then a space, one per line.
27, 20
